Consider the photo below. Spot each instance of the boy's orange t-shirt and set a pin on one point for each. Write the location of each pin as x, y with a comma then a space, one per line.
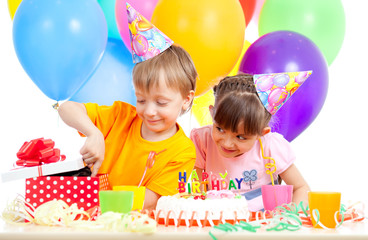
126, 152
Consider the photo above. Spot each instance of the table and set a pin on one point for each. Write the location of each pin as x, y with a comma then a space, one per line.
348, 231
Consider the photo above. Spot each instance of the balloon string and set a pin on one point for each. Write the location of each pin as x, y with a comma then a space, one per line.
56, 105
269, 165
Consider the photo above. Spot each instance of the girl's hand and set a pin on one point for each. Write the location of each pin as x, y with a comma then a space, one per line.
292, 176
93, 151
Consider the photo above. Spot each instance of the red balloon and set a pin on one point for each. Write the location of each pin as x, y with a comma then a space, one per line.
248, 9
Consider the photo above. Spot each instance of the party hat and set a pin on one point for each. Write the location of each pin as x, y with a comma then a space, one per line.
146, 40
274, 89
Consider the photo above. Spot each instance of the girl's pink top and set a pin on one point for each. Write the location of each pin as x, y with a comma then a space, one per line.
247, 171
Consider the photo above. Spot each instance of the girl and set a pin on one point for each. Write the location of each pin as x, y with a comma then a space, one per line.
142, 145
234, 142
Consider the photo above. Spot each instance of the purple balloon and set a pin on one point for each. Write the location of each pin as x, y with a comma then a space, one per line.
286, 51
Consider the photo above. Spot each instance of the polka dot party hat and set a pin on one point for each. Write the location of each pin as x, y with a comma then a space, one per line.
274, 89
146, 40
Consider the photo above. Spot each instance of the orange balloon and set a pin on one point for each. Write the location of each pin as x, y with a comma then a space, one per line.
212, 31
200, 105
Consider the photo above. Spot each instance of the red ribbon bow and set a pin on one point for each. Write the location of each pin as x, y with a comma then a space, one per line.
38, 152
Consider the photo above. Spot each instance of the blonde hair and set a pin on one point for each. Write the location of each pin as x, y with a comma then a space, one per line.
237, 101
177, 66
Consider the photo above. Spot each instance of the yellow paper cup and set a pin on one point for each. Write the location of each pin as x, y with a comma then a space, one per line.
116, 201
139, 194
327, 206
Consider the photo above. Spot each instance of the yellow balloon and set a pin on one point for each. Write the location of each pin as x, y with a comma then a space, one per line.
12, 6
200, 108
236, 67
212, 31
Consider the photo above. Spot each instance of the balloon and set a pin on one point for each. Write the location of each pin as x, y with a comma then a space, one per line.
112, 79
201, 103
212, 31
200, 108
12, 6
321, 21
235, 69
144, 7
248, 9
257, 11
264, 83
286, 51
108, 8
59, 43
281, 80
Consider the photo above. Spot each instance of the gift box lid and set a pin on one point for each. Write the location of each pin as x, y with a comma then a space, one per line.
43, 170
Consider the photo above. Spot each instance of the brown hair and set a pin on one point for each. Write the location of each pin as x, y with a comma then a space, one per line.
237, 101
177, 66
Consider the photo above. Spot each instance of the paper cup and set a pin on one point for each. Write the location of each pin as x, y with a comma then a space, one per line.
139, 194
327, 206
116, 201
276, 195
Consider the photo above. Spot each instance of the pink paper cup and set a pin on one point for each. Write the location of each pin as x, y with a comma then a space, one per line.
276, 195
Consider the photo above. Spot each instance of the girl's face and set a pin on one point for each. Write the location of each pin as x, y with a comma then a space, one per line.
159, 109
232, 144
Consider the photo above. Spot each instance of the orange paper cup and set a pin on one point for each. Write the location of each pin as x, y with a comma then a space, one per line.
139, 194
326, 205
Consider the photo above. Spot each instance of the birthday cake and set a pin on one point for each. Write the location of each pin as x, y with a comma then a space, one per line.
209, 209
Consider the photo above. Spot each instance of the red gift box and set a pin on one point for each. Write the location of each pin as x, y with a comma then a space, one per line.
80, 190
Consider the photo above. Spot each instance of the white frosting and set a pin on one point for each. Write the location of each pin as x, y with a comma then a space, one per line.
231, 208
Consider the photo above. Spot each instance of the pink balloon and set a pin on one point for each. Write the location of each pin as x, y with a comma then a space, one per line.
140, 45
264, 83
257, 11
301, 77
276, 96
144, 7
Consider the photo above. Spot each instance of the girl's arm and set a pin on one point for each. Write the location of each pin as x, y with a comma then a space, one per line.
93, 151
292, 176
150, 200
199, 173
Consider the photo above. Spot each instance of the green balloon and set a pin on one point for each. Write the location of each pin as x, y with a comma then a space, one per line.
322, 21
108, 8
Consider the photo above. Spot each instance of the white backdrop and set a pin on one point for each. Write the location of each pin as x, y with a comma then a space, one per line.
331, 152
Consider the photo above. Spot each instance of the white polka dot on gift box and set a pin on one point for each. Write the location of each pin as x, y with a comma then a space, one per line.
80, 190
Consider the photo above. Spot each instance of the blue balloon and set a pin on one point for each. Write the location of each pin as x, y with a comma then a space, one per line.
59, 43
263, 97
112, 79
281, 80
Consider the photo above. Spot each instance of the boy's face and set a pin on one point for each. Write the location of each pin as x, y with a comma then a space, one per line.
159, 109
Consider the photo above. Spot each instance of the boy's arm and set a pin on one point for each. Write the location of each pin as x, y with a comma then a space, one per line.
75, 115
150, 200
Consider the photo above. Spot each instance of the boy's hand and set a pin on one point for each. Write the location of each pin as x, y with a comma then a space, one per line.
93, 151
